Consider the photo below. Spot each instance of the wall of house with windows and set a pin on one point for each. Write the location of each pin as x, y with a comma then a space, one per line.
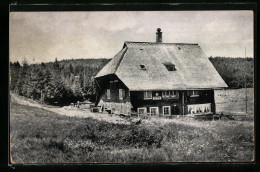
114, 90
156, 102
200, 101
162, 108
171, 102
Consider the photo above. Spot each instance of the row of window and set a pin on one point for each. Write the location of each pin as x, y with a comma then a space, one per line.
154, 110
148, 94
121, 94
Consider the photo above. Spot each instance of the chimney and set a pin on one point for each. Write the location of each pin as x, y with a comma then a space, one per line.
158, 36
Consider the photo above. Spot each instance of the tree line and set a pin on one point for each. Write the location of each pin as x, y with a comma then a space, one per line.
66, 81
56, 83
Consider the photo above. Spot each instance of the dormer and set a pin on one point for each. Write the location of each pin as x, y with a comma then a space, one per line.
169, 66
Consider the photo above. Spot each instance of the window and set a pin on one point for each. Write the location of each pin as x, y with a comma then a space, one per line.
121, 94
169, 66
166, 93
170, 93
108, 93
166, 110
193, 93
154, 110
142, 111
147, 95
142, 67
173, 93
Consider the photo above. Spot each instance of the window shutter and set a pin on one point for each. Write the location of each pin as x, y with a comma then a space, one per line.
108, 93
121, 94
147, 94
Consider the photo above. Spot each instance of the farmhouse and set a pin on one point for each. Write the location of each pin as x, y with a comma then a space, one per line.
156, 78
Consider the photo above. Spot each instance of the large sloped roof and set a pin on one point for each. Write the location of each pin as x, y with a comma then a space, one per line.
193, 68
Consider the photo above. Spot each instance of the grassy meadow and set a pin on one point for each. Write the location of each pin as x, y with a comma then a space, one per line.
41, 136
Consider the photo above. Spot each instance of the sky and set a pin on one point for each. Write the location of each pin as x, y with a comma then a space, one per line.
43, 36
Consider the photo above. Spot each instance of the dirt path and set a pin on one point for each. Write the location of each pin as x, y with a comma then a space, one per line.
67, 111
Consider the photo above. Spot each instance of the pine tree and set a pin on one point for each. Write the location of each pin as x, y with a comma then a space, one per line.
56, 65
35, 91
77, 89
14, 74
23, 83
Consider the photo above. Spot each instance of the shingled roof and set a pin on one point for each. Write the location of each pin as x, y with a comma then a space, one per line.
193, 68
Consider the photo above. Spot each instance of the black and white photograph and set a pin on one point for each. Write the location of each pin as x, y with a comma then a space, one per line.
131, 86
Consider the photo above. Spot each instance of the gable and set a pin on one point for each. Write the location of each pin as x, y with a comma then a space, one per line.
112, 66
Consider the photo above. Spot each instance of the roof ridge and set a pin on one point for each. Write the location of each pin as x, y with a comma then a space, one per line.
132, 42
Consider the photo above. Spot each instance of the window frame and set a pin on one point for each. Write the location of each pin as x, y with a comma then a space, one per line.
142, 67
170, 68
170, 93
157, 110
166, 95
108, 94
122, 95
166, 107
193, 93
145, 95
142, 108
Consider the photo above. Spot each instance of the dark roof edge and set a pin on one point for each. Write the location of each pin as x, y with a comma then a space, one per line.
117, 65
181, 89
121, 58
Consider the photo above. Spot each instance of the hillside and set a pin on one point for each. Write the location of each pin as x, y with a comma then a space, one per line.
42, 136
236, 72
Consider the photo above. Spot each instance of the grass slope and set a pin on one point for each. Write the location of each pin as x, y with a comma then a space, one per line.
235, 101
40, 136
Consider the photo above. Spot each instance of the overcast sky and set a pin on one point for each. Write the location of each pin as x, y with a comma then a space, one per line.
43, 36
